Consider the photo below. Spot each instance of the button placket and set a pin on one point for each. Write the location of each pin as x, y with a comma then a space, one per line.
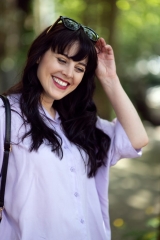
76, 194
82, 220
72, 169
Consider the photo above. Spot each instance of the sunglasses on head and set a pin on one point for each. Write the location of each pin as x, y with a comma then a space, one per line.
74, 26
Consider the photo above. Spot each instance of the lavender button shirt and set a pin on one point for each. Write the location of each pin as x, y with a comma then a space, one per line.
53, 199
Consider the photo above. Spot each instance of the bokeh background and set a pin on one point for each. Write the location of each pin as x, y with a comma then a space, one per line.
132, 27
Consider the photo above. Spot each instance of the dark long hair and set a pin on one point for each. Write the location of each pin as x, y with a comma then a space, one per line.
77, 110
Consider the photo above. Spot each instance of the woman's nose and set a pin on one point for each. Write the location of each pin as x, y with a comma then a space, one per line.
68, 71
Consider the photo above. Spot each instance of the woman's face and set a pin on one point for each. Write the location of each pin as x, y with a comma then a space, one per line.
59, 75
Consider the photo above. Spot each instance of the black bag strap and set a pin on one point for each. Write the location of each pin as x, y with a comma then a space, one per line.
7, 149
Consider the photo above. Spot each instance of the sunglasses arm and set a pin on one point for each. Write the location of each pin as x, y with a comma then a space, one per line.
53, 25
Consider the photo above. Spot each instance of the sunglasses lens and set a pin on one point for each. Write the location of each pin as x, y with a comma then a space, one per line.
73, 25
69, 23
91, 34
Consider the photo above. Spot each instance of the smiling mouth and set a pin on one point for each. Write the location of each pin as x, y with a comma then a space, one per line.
60, 82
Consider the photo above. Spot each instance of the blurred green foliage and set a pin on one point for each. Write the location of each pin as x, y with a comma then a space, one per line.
153, 234
138, 30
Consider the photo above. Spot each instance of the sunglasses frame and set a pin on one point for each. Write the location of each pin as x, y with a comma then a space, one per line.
61, 18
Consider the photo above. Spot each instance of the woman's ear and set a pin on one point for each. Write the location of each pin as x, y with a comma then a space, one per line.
38, 61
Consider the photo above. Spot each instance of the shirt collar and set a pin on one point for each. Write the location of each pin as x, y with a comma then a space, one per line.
44, 112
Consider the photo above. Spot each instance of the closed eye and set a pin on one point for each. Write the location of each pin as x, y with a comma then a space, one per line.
80, 69
61, 60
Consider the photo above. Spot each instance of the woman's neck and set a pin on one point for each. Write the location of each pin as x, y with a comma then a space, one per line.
47, 103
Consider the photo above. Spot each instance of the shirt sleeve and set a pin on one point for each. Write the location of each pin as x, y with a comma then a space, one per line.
2, 132
120, 146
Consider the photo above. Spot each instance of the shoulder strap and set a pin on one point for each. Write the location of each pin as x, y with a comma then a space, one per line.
7, 149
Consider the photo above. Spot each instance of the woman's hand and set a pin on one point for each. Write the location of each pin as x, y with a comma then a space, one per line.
106, 68
124, 109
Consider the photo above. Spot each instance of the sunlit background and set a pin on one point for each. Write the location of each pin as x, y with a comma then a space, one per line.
132, 27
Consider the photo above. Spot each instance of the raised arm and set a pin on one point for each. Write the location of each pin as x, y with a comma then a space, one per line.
123, 107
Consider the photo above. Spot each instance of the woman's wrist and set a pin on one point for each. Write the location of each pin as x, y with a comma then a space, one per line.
111, 86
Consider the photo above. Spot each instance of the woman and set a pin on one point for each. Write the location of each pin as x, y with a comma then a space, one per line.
57, 180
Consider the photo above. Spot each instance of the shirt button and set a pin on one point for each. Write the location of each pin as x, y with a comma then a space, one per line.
72, 169
76, 194
82, 221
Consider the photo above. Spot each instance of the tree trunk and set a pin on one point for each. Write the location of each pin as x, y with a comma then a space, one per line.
12, 16
102, 13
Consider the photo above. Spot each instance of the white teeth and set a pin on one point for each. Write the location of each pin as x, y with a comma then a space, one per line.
64, 84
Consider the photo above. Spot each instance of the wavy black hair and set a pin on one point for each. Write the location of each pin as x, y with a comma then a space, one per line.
77, 110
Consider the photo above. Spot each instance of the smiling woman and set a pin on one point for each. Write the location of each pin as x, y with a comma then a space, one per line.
59, 75
61, 150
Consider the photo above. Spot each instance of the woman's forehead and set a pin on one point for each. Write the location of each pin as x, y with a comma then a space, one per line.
73, 51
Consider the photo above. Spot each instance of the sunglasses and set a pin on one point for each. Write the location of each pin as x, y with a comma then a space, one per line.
74, 26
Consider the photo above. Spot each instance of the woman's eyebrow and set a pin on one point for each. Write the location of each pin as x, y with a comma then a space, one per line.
66, 55
83, 64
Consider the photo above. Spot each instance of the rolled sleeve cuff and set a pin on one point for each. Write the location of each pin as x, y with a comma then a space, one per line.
122, 144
